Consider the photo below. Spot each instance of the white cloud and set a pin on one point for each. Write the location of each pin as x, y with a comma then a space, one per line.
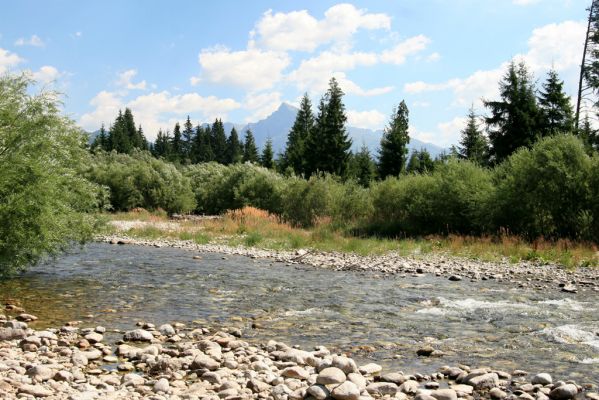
125, 80
298, 30
156, 110
261, 105
398, 54
372, 119
252, 69
34, 40
8, 60
46, 74
525, 2
449, 132
433, 57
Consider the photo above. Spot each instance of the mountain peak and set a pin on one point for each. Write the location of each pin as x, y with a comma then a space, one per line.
286, 107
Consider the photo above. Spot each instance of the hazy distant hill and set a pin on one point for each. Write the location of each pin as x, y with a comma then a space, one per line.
277, 125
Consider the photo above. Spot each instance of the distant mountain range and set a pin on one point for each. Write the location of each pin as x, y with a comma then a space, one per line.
277, 125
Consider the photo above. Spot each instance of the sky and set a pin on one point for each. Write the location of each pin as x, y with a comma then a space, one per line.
239, 60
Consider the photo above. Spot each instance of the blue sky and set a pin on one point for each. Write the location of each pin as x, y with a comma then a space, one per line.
239, 60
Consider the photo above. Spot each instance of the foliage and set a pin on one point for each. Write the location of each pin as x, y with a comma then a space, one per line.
420, 162
234, 148
473, 143
44, 202
394, 150
267, 157
362, 167
556, 109
250, 150
140, 180
294, 155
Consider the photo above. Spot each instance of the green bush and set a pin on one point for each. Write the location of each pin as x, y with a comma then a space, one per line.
218, 188
140, 180
544, 191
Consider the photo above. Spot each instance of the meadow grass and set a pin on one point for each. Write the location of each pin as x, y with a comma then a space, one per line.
252, 227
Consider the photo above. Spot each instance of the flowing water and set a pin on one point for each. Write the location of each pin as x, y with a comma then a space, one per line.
385, 320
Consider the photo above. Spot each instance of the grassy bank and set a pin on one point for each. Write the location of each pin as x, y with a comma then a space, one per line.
252, 227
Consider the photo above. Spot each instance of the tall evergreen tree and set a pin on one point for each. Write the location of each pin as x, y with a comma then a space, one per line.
218, 141
420, 162
176, 153
556, 109
294, 156
589, 135
328, 144
202, 146
162, 145
514, 120
187, 137
362, 167
101, 141
117, 138
473, 144
141, 139
135, 141
394, 143
267, 157
234, 148
250, 151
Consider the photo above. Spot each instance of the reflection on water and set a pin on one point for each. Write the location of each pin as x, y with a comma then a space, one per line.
479, 323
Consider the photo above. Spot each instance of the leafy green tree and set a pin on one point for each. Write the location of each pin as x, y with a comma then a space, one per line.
362, 167
218, 141
267, 157
556, 110
514, 120
394, 143
294, 156
45, 203
328, 144
473, 144
234, 148
187, 137
250, 150
202, 146
420, 162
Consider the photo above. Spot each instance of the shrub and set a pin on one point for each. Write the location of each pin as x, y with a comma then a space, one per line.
140, 180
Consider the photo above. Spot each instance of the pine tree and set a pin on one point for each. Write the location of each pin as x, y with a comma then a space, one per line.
162, 145
135, 142
473, 144
234, 148
556, 109
187, 137
176, 153
250, 151
328, 144
394, 143
267, 157
218, 142
588, 135
514, 120
101, 141
141, 139
117, 138
420, 162
362, 167
294, 156
201, 147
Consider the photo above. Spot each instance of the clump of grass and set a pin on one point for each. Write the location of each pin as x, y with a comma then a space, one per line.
252, 239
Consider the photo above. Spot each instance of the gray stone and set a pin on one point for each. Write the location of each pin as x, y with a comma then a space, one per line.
203, 361
167, 330
358, 379
394, 377
345, 364
296, 373
162, 385
138, 335
409, 387
79, 359
542, 379
40, 373
12, 333
258, 386
319, 392
94, 337
485, 381
346, 391
133, 380
330, 376
382, 388
497, 394
35, 390
370, 369
444, 394
564, 392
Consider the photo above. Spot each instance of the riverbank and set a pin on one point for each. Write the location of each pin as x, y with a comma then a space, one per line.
531, 275
175, 361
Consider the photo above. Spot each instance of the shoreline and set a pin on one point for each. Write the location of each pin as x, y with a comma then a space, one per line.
180, 362
522, 275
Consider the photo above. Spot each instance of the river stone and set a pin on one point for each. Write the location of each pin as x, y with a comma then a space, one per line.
564, 392
542, 379
394, 377
497, 394
132, 379
345, 364
281, 392
12, 333
35, 390
444, 394
424, 396
485, 381
258, 386
463, 389
93, 354
63, 376
319, 392
330, 376
15, 324
409, 387
346, 391
203, 361
382, 388
26, 317
295, 373
358, 379
455, 278
425, 351
162, 385
370, 369
94, 337
40, 373
79, 359
167, 330
138, 335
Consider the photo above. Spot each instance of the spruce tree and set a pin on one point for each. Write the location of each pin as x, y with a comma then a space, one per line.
394, 143
362, 166
141, 139
176, 153
514, 120
218, 141
267, 157
201, 147
420, 162
294, 156
234, 148
187, 137
556, 109
117, 138
473, 144
130, 131
101, 141
588, 135
328, 144
250, 151
162, 145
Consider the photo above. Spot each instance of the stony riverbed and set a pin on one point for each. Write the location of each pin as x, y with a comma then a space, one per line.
174, 361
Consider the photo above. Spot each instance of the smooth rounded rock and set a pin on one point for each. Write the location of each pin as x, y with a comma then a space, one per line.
330, 376
564, 392
542, 379
346, 391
